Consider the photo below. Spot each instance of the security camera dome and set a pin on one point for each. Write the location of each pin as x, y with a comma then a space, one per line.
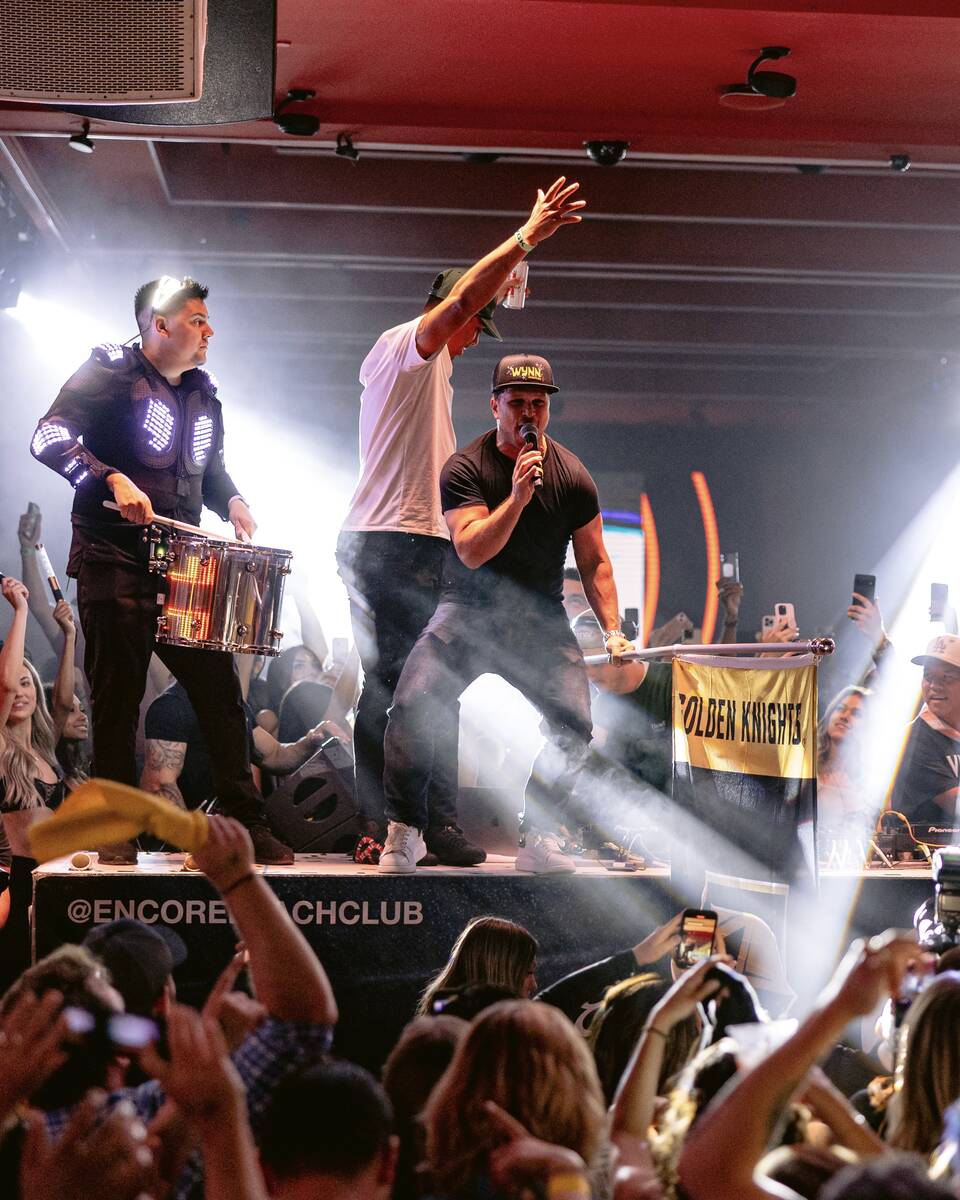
607, 154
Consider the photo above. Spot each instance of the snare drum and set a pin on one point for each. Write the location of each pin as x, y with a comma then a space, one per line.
223, 595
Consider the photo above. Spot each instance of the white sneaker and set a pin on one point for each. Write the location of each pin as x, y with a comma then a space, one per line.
542, 856
402, 850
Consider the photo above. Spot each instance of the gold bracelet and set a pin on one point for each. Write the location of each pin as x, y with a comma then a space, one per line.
654, 1029
567, 1183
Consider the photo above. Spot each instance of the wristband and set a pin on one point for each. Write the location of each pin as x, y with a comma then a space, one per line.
611, 633
525, 246
238, 883
569, 1183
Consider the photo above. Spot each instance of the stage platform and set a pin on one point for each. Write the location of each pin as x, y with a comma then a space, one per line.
380, 937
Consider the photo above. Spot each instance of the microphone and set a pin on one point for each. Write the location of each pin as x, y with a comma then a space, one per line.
46, 568
531, 435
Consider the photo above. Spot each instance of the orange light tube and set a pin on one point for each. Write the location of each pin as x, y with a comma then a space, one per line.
712, 540
651, 567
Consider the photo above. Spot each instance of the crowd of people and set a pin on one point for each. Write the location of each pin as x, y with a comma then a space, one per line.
677, 1084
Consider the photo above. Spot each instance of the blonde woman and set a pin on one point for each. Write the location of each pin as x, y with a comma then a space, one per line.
928, 1067
529, 1060
490, 950
31, 782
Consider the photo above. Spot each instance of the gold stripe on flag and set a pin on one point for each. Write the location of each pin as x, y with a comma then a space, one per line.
746, 719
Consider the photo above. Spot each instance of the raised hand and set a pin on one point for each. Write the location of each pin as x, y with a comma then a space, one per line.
658, 944
554, 207
867, 617
63, 615
15, 593
31, 1046
29, 527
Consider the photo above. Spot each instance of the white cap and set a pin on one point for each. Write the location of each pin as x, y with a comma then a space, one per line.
945, 649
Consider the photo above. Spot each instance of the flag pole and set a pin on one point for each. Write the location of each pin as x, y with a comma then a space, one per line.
818, 646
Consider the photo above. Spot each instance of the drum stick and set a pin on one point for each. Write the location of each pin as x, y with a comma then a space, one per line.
46, 568
181, 525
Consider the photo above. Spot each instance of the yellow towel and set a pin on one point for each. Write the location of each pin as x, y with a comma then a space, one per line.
101, 811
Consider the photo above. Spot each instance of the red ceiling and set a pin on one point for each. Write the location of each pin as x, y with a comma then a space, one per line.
873, 78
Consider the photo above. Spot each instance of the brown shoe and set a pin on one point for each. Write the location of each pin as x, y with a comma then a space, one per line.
118, 854
268, 851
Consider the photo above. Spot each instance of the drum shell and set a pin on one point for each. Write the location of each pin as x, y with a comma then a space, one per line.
223, 596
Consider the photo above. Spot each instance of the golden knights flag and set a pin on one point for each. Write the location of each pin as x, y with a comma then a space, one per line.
744, 766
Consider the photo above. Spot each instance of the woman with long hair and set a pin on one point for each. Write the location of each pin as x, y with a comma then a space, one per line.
840, 783
527, 1058
31, 782
928, 1067
490, 950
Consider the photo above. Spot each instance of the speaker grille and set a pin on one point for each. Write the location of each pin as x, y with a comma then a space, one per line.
101, 51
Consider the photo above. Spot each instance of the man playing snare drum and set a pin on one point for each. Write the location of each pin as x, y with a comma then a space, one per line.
142, 426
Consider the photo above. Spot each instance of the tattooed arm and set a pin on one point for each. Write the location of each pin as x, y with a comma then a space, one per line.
161, 770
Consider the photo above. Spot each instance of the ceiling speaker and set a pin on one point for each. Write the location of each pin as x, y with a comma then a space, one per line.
102, 51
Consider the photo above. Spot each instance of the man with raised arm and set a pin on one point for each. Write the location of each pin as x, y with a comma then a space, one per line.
393, 539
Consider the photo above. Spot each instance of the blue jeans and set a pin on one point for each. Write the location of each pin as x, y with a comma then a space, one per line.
537, 653
393, 581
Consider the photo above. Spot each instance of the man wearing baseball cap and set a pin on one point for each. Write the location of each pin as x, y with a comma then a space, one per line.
391, 546
513, 500
929, 777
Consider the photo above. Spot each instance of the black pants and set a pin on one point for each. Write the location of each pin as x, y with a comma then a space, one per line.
535, 652
393, 580
118, 612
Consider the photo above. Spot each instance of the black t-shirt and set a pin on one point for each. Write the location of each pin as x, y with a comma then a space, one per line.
170, 718
534, 555
931, 765
638, 728
581, 993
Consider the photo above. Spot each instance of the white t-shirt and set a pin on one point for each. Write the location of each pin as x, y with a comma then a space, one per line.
406, 435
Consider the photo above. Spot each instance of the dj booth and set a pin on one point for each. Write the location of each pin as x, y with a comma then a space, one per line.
381, 937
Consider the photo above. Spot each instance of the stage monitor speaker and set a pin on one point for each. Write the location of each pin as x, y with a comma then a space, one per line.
101, 51
313, 809
489, 817
124, 59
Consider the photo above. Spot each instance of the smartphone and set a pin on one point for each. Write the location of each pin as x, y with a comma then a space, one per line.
33, 508
769, 621
631, 623
698, 934
864, 585
939, 597
730, 565
687, 635
784, 612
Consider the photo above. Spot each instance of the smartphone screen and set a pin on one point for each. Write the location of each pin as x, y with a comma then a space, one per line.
864, 585
939, 595
698, 932
730, 565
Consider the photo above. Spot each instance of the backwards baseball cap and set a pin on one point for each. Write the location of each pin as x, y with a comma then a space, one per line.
523, 370
443, 286
139, 958
945, 649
